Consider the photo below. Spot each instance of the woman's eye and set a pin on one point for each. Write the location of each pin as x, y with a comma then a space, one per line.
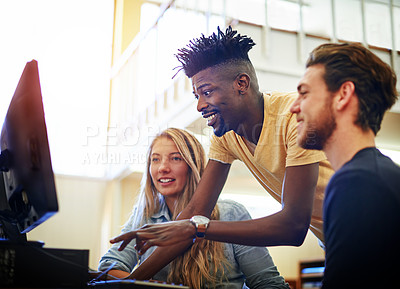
176, 159
154, 160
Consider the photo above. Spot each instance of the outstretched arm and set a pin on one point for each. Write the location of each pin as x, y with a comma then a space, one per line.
286, 227
289, 226
177, 234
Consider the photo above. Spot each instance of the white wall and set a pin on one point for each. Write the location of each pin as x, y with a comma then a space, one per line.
78, 223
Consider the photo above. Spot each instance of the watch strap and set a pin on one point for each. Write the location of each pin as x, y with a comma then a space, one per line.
201, 231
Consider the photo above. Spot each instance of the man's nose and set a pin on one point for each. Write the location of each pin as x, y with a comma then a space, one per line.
201, 104
295, 108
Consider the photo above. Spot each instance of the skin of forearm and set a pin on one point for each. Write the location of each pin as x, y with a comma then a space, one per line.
118, 273
208, 191
158, 260
273, 230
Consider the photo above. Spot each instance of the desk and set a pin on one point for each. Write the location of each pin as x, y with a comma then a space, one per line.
30, 266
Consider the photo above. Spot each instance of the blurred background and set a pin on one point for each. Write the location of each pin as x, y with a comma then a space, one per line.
106, 69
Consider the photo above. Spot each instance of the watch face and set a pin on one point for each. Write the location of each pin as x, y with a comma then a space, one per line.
200, 220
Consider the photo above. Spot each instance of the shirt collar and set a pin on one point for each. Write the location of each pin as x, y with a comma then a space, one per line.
163, 211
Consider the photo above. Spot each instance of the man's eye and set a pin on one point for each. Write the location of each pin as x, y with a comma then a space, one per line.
206, 93
303, 93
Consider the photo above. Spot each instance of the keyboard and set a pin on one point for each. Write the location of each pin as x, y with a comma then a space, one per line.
132, 284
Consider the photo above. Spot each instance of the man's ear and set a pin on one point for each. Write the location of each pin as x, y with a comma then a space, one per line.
346, 92
243, 82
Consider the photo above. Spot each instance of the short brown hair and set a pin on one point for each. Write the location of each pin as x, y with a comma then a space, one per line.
374, 80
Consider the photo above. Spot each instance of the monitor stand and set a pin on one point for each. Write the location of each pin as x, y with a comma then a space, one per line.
9, 231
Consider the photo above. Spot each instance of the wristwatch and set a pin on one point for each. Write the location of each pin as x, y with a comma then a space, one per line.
201, 224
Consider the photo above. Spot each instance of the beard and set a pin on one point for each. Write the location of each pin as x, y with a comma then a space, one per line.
221, 128
318, 132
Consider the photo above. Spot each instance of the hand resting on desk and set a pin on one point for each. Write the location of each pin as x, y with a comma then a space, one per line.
163, 234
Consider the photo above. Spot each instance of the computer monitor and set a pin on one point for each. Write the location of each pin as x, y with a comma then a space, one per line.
27, 189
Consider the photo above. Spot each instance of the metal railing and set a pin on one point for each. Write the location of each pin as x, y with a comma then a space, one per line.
143, 93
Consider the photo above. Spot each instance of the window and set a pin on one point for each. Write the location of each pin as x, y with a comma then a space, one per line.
71, 40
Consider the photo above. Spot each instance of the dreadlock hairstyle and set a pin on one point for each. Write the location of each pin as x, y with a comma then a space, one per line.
216, 49
203, 265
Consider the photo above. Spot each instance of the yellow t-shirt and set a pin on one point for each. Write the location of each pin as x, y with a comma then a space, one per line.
276, 149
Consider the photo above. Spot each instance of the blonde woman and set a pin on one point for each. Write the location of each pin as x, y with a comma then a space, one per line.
175, 164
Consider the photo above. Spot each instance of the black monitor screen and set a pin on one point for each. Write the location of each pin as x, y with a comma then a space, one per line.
27, 189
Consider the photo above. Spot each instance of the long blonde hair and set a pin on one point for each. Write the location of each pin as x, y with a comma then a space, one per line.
201, 264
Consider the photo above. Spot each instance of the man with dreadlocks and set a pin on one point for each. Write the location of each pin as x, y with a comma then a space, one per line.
256, 128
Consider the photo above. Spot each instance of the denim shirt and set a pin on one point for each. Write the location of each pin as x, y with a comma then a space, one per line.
251, 266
